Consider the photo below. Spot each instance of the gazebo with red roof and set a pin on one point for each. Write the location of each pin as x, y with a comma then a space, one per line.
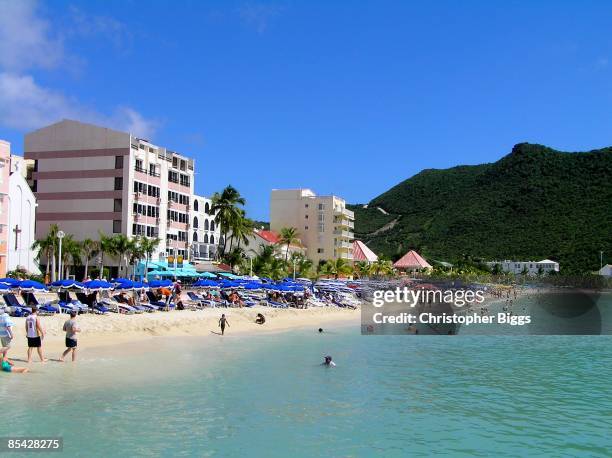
412, 261
361, 252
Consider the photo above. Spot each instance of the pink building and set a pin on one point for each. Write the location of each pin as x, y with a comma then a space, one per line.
5, 162
90, 179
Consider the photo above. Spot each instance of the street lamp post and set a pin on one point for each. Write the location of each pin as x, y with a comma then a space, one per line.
60, 236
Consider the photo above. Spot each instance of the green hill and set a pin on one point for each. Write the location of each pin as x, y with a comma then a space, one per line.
532, 204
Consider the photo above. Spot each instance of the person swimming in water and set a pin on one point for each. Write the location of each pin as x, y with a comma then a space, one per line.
260, 319
320, 330
327, 361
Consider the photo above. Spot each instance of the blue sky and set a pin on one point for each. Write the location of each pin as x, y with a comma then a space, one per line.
343, 97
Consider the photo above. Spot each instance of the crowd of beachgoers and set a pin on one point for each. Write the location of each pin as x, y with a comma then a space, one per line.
128, 296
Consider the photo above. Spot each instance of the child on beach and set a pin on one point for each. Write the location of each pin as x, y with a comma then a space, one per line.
8, 366
222, 323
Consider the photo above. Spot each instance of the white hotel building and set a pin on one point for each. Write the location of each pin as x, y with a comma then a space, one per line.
544, 267
90, 179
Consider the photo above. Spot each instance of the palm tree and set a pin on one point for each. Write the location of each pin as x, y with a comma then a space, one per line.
49, 244
45, 246
288, 236
90, 249
302, 264
107, 246
123, 248
242, 229
71, 254
148, 247
226, 211
362, 269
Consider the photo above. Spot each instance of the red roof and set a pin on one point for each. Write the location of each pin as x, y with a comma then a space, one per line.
361, 252
269, 236
273, 237
412, 260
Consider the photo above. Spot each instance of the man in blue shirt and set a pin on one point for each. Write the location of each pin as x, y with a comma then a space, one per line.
6, 332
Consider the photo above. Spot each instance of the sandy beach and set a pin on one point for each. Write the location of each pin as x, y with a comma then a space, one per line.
112, 329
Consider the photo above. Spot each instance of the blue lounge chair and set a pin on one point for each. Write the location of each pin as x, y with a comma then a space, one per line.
18, 309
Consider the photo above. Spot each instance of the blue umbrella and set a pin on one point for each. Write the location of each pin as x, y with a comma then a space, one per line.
98, 285
124, 285
160, 283
9, 281
4, 287
65, 284
229, 284
30, 285
253, 286
206, 283
207, 275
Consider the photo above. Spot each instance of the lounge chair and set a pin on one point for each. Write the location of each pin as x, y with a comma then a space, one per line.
91, 302
30, 300
125, 301
67, 304
154, 301
17, 308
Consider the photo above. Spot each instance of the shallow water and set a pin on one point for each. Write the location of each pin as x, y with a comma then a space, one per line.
268, 396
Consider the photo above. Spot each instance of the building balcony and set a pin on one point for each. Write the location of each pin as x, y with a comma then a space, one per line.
344, 222
344, 246
344, 213
345, 234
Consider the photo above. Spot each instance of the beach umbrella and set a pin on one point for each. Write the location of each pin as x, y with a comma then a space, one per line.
160, 283
124, 285
253, 285
206, 283
30, 285
140, 285
229, 284
4, 287
68, 283
9, 281
207, 275
98, 285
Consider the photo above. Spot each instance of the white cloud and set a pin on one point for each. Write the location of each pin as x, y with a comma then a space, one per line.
27, 105
27, 42
258, 15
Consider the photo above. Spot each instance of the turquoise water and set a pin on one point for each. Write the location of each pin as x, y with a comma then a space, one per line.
268, 396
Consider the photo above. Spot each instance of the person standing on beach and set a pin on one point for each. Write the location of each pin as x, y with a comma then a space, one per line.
6, 333
35, 335
71, 328
222, 323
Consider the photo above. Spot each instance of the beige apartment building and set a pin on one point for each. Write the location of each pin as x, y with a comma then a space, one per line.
324, 224
90, 179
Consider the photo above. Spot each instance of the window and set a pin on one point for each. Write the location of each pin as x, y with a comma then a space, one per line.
195, 237
212, 226
195, 222
212, 239
117, 205
175, 162
305, 205
205, 238
321, 217
205, 224
117, 226
183, 165
118, 162
305, 228
139, 165
305, 216
142, 146
195, 205
184, 180
321, 206
118, 183
207, 208
173, 176
321, 227
153, 170
320, 250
